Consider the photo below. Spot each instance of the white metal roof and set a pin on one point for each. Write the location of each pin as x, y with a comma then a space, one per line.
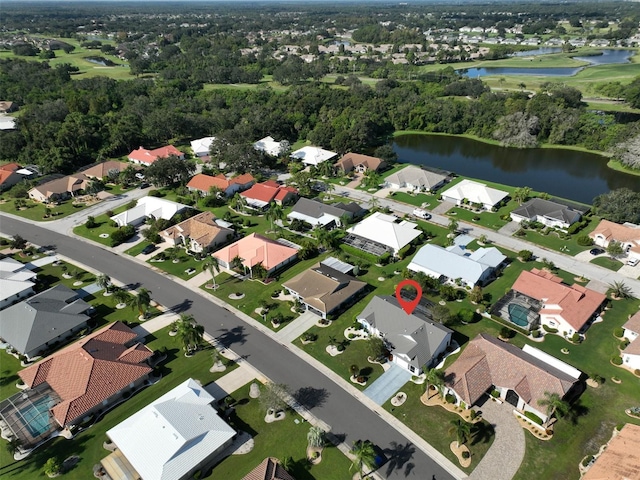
553, 361
383, 229
269, 146
201, 146
313, 155
170, 436
338, 265
475, 192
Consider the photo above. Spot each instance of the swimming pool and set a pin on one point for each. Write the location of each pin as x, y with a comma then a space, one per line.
518, 314
35, 417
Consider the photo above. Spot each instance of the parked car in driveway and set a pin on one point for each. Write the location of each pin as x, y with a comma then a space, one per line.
149, 249
596, 251
632, 262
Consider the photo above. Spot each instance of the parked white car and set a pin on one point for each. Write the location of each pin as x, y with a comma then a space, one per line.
632, 262
418, 212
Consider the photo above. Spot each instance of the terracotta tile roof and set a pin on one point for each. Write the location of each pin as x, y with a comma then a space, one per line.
633, 323
149, 156
621, 459
615, 231
201, 228
5, 175
204, 182
575, 304
254, 249
487, 361
268, 191
90, 371
10, 167
350, 160
269, 469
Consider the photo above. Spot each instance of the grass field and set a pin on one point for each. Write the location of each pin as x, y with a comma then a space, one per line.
36, 211
607, 262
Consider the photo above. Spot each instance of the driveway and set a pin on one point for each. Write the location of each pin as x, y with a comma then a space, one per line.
387, 384
503, 459
297, 327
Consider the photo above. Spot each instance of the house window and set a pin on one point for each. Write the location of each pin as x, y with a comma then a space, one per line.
412, 368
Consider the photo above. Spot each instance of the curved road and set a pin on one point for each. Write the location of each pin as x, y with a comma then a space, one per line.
347, 416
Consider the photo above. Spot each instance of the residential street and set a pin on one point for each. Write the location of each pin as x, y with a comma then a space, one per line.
326, 399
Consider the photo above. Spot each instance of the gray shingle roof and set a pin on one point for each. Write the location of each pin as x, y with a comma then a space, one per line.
411, 335
45, 316
546, 208
315, 209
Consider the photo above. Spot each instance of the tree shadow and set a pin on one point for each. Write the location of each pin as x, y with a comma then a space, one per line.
182, 306
233, 336
132, 286
8, 377
576, 411
482, 432
366, 371
398, 456
310, 397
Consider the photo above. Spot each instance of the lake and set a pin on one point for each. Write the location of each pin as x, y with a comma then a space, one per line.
609, 56
564, 173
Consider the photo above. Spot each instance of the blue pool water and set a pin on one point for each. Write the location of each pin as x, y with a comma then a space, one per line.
518, 314
36, 416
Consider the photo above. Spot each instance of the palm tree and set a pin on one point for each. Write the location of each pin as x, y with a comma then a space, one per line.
274, 213
364, 455
520, 195
121, 296
237, 263
190, 333
332, 341
211, 265
453, 225
434, 378
354, 370
13, 445
461, 430
239, 202
374, 203
555, 404
315, 437
258, 270
620, 289
104, 282
17, 242
142, 301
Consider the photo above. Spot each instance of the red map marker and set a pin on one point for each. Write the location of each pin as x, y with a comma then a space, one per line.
408, 306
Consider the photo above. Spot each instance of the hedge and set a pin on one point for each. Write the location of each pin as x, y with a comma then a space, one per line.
618, 332
616, 360
549, 329
358, 253
533, 417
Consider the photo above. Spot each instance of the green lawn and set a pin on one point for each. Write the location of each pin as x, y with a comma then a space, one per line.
607, 262
88, 444
432, 423
280, 440
568, 246
50, 275
137, 248
355, 352
36, 211
179, 268
430, 201
102, 228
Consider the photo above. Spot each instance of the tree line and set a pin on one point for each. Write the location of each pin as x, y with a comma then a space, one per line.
65, 123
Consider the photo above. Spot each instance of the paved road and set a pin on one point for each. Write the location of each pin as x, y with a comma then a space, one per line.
326, 399
564, 262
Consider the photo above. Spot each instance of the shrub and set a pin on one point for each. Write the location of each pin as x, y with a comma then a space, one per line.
122, 234
465, 454
466, 315
618, 332
584, 240
154, 193
576, 227
473, 414
91, 222
506, 332
52, 467
637, 372
404, 251
624, 344
384, 258
525, 255
309, 337
495, 393
575, 338
449, 398
548, 329
616, 360
520, 232
586, 460
536, 334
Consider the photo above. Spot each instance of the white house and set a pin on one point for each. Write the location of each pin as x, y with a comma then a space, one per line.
413, 340
16, 282
455, 264
416, 179
149, 207
172, 437
631, 354
313, 155
386, 230
474, 192
627, 234
201, 146
269, 146
548, 213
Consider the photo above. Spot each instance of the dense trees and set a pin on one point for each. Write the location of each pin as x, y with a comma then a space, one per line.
621, 205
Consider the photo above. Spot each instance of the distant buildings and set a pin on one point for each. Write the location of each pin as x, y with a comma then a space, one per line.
142, 156
550, 214
380, 232
313, 156
627, 234
469, 191
149, 207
